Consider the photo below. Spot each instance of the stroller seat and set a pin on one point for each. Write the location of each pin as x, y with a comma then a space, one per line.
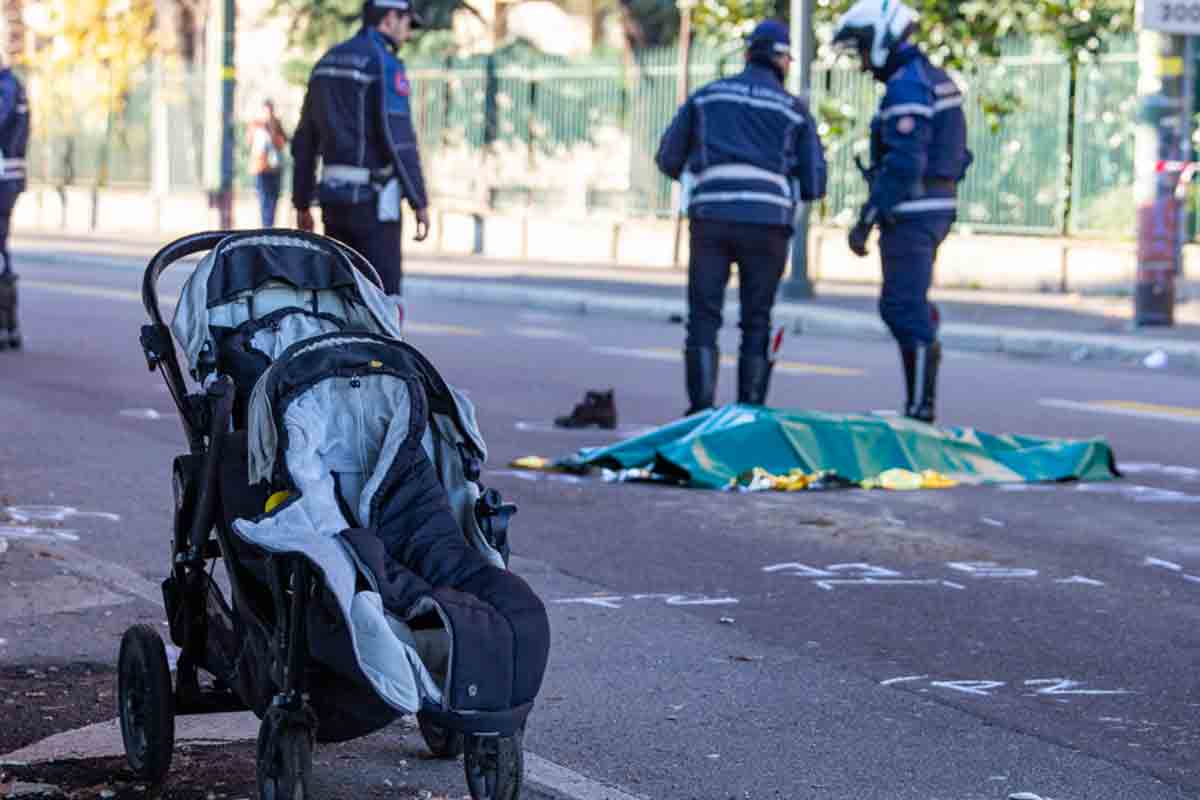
341, 423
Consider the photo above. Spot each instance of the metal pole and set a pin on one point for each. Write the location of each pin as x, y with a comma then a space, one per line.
1188, 104
798, 286
228, 84
1160, 150
682, 85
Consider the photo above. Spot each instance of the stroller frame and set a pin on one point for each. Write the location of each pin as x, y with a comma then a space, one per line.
147, 701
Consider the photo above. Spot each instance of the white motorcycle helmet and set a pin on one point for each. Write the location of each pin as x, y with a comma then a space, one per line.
873, 28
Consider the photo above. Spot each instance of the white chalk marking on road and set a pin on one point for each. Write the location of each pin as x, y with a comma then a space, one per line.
982, 688
683, 599
142, 413
1080, 579
830, 585
37, 534
1192, 578
902, 679
33, 513
569, 783
990, 569
995, 523
602, 602
1068, 686
1158, 562
1137, 468
1127, 409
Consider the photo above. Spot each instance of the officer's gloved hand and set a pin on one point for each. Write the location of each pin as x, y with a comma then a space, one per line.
862, 231
858, 239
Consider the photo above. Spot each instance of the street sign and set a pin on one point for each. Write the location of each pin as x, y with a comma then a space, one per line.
1171, 16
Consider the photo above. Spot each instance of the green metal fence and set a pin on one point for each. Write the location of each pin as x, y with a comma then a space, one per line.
526, 131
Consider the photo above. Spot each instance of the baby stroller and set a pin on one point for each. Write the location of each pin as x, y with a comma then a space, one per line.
335, 475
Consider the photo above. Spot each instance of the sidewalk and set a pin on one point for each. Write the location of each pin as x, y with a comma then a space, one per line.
1094, 327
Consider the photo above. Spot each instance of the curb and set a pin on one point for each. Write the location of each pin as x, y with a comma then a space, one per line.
1037, 343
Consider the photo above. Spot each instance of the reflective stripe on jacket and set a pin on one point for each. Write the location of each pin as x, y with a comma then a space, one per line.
752, 150
357, 114
918, 139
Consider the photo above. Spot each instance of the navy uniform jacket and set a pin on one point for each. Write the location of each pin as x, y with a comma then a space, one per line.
918, 140
14, 132
356, 119
752, 147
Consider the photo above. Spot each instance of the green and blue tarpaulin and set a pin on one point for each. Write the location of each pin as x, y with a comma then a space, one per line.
710, 449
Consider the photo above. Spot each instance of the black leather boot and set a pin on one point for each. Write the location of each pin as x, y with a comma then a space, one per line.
10, 334
908, 360
926, 360
598, 409
702, 364
754, 377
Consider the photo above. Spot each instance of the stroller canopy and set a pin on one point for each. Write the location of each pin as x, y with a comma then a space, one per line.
253, 275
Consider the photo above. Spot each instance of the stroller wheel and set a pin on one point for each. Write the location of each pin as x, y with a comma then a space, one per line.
494, 766
442, 742
284, 759
145, 703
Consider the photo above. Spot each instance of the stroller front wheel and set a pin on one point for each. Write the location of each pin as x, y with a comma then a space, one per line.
442, 742
145, 703
284, 759
494, 766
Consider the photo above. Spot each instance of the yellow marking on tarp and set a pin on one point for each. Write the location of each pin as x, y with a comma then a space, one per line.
790, 367
1151, 408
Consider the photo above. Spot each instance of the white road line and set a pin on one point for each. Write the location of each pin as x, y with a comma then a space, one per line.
1075, 405
569, 783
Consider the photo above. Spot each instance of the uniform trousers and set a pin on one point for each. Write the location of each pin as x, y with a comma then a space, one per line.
379, 242
761, 252
908, 247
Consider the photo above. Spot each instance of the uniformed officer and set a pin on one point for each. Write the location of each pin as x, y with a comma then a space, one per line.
753, 153
356, 119
14, 137
918, 156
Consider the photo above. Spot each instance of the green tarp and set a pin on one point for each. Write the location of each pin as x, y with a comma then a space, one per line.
710, 449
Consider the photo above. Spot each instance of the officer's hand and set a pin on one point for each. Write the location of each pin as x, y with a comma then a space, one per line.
858, 238
304, 220
422, 224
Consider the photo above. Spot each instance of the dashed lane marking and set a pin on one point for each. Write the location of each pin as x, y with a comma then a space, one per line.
784, 367
1128, 408
436, 329
84, 290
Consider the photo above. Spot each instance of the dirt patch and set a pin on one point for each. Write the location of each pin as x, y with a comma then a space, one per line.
36, 702
197, 773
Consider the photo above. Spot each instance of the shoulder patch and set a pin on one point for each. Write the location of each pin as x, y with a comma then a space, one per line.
905, 125
400, 84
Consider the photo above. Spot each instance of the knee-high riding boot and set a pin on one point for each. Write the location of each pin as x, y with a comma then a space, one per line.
702, 365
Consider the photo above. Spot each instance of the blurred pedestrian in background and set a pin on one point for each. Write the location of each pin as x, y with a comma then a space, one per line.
267, 141
754, 155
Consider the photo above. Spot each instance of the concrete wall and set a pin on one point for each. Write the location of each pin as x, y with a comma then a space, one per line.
965, 261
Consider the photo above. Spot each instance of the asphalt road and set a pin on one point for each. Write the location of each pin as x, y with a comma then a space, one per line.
978, 642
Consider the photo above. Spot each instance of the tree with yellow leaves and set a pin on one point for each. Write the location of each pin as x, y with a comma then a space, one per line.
86, 55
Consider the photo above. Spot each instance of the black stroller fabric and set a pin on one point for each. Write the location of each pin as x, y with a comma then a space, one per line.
402, 538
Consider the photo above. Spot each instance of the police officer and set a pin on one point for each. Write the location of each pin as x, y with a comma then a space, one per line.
356, 119
14, 137
918, 156
753, 153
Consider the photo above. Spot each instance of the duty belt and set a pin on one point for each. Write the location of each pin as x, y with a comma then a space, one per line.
945, 185
356, 176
